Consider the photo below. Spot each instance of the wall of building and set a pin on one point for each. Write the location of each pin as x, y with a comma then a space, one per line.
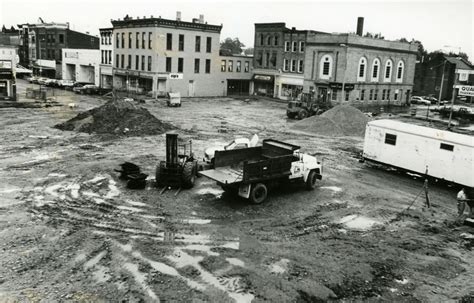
8, 61
81, 65
106, 57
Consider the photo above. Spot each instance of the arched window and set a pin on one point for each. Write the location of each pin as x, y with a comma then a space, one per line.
388, 71
375, 70
275, 40
362, 69
325, 71
269, 40
261, 39
400, 70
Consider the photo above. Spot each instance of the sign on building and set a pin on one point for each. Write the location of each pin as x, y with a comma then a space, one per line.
5, 64
175, 76
466, 90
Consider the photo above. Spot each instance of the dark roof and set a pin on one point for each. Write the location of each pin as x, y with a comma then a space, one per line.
159, 22
461, 63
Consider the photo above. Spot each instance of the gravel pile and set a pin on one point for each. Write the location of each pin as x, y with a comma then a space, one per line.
116, 117
341, 120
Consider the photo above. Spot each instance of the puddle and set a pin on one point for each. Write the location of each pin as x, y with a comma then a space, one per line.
236, 262
231, 245
57, 175
113, 190
358, 222
140, 278
92, 262
332, 188
203, 248
134, 203
196, 221
279, 267
210, 190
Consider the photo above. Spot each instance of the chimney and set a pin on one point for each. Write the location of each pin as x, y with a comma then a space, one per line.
178, 16
360, 26
201, 19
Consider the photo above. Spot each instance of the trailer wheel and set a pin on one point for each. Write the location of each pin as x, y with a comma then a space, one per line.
302, 114
189, 174
311, 181
258, 194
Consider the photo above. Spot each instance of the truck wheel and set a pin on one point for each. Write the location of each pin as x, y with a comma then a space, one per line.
302, 114
189, 174
258, 194
290, 115
311, 181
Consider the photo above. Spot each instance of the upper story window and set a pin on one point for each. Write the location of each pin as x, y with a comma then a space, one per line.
150, 35
137, 40
247, 66
362, 69
223, 66
301, 46
123, 40
287, 46
325, 70
375, 70
293, 65
275, 41
286, 65
197, 44
388, 71
400, 70
295, 47
143, 40
117, 40
169, 41
230, 67
208, 44
129, 40
208, 66
181, 43
238, 66
300, 66
261, 39
269, 40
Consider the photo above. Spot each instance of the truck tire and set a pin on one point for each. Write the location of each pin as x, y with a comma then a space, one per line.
311, 181
189, 174
258, 193
290, 115
302, 114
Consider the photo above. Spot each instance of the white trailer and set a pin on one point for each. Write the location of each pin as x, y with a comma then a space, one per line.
444, 154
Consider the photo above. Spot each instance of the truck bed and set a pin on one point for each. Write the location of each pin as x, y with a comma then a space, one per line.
224, 175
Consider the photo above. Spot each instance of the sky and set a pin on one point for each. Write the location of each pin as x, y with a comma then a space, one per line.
440, 25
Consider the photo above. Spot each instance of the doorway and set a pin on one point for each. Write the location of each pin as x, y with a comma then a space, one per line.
191, 88
322, 94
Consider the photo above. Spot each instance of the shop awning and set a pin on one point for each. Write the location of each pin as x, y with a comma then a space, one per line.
42, 67
21, 70
263, 78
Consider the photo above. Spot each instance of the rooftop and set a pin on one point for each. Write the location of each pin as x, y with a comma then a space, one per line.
160, 22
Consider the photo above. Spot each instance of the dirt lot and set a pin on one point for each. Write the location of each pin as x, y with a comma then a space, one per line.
71, 231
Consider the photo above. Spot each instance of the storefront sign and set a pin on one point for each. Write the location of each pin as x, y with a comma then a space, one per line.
465, 90
263, 78
5, 64
338, 85
173, 76
3, 84
71, 55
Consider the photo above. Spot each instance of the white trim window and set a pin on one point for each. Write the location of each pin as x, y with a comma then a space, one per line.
293, 65
361, 72
286, 65
287, 46
300, 66
302, 46
325, 70
295, 46
400, 70
388, 71
375, 70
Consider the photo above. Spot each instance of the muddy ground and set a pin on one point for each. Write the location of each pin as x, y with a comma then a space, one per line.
71, 231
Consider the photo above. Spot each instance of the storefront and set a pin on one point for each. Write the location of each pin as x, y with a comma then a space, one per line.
264, 85
289, 87
336, 91
7, 81
238, 87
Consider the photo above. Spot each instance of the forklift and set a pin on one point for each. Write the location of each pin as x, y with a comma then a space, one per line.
307, 106
180, 168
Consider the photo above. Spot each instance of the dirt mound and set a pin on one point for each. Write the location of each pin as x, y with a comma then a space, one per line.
116, 117
341, 120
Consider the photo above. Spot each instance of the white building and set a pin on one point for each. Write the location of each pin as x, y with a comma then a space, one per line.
8, 61
106, 57
81, 65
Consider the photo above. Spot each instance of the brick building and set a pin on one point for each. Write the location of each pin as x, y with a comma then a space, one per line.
106, 58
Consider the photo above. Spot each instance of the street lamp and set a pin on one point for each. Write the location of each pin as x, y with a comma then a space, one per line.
343, 97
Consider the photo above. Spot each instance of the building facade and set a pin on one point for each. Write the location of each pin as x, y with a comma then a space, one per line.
8, 62
106, 58
81, 65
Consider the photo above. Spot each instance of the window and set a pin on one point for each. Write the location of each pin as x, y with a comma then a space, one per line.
388, 94
197, 44
247, 66
208, 66
180, 65
143, 40
137, 62
168, 64
181, 43
149, 63
286, 65
117, 40
295, 47
129, 40
261, 39
273, 59
259, 58
362, 69
123, 40
137, 40
230, 67
400, 68
287, 46
169, 41
269, 40
325, 67
445, 146
395, 96
376, 94
143, 62
122, 63
334, 95
371, 95
388, 71
61, 38
208, 44
149, 40
293, 65
275, 41
129, 62
383, 94
223, 66
390, 139
267, 60
301, 46
300, 66
197, 62
102, 57
362, 94
375, 70
238, 67
347, 94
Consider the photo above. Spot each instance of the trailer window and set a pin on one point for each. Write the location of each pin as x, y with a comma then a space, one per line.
390, 139
446, 146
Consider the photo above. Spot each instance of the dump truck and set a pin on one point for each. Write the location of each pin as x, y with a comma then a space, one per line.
307, 106
250, 172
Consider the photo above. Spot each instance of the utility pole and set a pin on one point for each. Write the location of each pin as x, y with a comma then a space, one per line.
343, 97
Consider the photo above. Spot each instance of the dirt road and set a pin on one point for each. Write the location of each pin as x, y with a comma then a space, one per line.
71, 231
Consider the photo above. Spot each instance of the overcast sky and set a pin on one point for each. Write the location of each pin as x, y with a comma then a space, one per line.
437, 24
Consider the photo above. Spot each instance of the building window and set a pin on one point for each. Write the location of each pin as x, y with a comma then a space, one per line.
267, 60
300, 66
375, 70
287, 46
208, 66
137, 62
117, 61
445, 146
362, 94
376, 94
259, 58
110, 57
129, 40
238, 67
180, 65
295, 47
197, 62
371, 95
400, 69
117, 40
334, 95
325, 67
122, 63
362, 69
129, 66
169, 41
137, 40
293, 65
102, 57
223, 66
275, 41
383, 94
181, 43
123, 40
149, 40
168, 64
102, 39
388, 71
149, 63
286, 65
390, 139
302, 46
261, 39
247, 66
143, 40
61, 38
208, 44
230, 67
347, 94
269, 40
388, 94
197, 44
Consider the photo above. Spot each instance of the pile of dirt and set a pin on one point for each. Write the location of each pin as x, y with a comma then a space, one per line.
341, 120
116, 117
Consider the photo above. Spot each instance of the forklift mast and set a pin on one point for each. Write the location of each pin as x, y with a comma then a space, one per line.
171, 149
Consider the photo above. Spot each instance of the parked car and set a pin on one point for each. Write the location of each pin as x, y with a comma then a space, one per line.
90, 89
32, 79
66, 84
419, 100
42, 80
51, 82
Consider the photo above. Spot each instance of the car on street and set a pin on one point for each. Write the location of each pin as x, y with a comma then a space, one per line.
42, 80
32, 79
84, 89
64, 84
51, 82
419, 100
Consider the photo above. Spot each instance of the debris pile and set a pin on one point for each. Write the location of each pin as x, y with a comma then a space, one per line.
116, 117
341, 120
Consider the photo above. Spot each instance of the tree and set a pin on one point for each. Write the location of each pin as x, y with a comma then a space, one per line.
248, 51
462, 55
232, 45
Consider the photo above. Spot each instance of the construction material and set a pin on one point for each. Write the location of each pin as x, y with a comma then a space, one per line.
127, 169
444, 155
341, 120
137, 181
116, 117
